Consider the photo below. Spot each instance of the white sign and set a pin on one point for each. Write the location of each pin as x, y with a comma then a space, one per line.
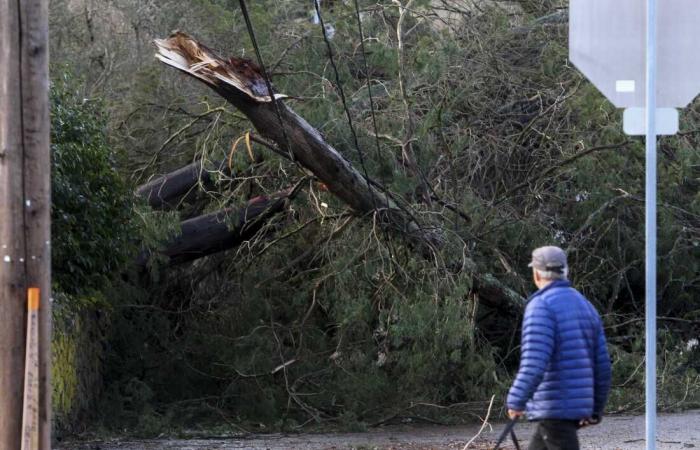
634, 121
622, 46
607, 43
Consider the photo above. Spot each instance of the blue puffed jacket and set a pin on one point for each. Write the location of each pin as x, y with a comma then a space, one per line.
565, 368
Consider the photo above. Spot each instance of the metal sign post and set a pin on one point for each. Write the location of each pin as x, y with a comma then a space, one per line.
607, 44
651, 226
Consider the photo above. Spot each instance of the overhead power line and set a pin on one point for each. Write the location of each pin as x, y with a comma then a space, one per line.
339, 86
268, 82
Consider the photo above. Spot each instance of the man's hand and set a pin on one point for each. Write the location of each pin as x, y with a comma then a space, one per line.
595, 420
513, 414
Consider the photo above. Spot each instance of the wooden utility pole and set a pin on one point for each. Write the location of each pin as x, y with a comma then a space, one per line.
25, 255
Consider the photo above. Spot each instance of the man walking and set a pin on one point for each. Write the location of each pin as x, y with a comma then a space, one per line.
564, 376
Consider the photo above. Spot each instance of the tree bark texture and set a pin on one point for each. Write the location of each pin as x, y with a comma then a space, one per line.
221, 230
240, 82
166, 191
25, 190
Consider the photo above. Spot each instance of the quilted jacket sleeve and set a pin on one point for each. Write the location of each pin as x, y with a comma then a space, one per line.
536, 350
603, 374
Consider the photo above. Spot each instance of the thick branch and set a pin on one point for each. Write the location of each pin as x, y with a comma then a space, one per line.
233, 79
241, 84
166, 190
221, 230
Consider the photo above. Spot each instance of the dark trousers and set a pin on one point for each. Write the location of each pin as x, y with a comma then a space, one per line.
555, 435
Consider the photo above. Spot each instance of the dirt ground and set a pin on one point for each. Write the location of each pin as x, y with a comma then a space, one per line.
675, 431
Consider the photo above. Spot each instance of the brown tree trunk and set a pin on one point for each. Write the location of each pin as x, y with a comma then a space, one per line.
221, 230
25, 257
166, 191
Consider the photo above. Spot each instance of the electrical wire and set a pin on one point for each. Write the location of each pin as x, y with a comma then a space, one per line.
339, 87
341, 92
266, 76
367, 76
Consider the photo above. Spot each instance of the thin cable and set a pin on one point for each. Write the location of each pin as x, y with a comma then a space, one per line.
369, 80
369, 87
371, 101
268, 83
341, 91
339, 87
369, 90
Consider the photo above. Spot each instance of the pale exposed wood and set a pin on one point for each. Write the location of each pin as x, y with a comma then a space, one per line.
24, 206
291, 133
30, 409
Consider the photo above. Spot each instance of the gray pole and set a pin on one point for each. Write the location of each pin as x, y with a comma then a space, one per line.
651, 227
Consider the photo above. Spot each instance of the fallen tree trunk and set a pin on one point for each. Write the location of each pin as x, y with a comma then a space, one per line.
221, 230
166, 191
240, 82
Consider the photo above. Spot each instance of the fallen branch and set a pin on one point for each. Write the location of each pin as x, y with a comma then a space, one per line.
221, 230
240, 82
484, 422
167, 190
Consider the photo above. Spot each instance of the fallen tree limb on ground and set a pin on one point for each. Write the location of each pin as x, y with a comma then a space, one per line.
221, 230
240, 82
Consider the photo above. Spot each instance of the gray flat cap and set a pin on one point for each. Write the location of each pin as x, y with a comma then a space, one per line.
549, 258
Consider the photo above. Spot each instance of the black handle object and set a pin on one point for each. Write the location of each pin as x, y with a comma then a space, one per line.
506, 431
515, 439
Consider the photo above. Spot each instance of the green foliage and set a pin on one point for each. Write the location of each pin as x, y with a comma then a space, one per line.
355, 342
678, 377
324, 319
94, 238
91, 205
79, 331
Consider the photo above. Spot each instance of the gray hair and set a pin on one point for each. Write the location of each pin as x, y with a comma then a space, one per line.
553, 274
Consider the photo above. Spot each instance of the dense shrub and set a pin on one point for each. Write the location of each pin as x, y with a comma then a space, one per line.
91, 203
93, 239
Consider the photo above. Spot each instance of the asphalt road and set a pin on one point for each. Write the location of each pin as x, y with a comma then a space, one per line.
675, 431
